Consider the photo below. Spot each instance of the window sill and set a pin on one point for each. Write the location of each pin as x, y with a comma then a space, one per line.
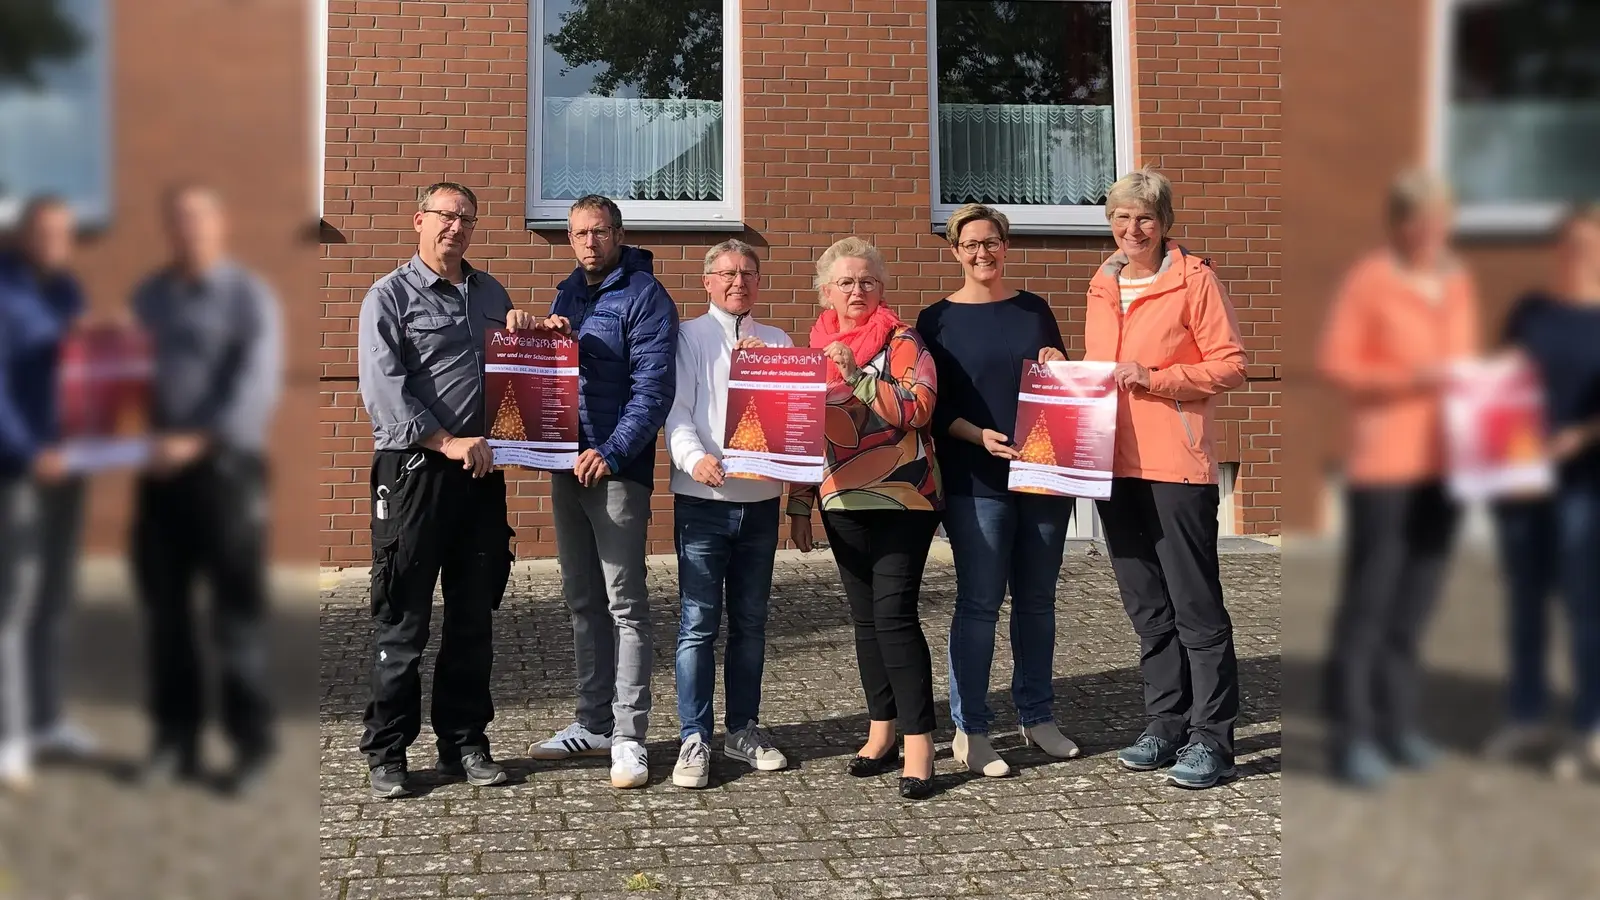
1521, 221
1037, 228
632, 224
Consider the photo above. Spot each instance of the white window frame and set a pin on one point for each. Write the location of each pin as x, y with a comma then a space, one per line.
1042, 219
1529, 217
319, 105
648, 215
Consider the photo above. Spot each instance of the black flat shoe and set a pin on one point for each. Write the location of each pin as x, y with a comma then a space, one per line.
867, 767
916, 788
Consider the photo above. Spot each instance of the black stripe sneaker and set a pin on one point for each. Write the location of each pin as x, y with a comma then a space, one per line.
573, 740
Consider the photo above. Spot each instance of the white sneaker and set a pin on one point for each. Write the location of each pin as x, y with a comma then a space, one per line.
1581, 755
573, 740
752, 745
16, 766
67, 739
694, 764
630, 765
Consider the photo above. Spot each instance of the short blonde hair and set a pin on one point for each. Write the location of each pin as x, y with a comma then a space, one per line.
848, 248
1147, 188
1413, 191
976, 212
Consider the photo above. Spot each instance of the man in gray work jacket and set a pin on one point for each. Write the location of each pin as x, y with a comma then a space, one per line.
438, 503
216, 340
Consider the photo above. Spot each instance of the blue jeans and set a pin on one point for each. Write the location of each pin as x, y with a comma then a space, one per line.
1550, 546
724, 550
1017, 538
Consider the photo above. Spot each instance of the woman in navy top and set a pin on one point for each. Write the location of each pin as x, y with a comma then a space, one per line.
979, 338
1554, 543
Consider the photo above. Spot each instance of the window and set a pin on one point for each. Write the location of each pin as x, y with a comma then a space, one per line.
1516, 111
1031, 108
54, 134
319, 103
636, 100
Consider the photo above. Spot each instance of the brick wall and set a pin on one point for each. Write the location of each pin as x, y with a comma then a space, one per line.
836, 142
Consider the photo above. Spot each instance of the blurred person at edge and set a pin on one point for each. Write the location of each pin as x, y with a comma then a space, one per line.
1160, 313
1552, 543
200, 507
40, 503
1404, 312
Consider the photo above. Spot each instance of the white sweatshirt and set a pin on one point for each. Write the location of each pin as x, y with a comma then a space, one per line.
698, 418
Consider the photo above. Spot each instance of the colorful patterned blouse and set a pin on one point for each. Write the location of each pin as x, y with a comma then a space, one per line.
880, 446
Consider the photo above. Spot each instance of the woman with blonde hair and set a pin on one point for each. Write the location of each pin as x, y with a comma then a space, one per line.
880, 499
1160, 313
1403, 314
981, 336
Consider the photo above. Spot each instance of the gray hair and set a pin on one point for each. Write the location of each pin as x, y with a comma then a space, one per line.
732, 245
848, 248
1147, 188
449, 187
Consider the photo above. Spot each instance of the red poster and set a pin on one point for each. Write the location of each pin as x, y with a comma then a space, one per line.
1066, 426
777, 397
530, 390
1494, 420
105, 398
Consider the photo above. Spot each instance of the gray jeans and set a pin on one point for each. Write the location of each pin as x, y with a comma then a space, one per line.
600, 543
39, 534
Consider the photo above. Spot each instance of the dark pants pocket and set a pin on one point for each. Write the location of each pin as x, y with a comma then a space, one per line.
385, 563
497, 561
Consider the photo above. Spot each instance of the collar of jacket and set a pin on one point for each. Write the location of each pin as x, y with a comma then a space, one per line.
418, 273
733, 326
1176, 268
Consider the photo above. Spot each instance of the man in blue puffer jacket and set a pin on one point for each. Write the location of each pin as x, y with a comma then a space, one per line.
626, 326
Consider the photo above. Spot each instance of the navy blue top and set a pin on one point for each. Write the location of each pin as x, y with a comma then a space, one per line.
1563, 340
627, 332
34, 317
978, 350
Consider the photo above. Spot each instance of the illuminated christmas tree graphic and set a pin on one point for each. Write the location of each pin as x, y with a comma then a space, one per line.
748, 435
1037, 449
508, 421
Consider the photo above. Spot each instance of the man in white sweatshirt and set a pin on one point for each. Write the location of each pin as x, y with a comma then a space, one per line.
726, 529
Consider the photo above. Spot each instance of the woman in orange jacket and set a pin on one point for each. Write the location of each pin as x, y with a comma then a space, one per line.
1161, 314
1404, 312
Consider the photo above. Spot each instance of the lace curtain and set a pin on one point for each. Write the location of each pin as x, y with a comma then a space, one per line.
1506, 151
631, 148
1026, 154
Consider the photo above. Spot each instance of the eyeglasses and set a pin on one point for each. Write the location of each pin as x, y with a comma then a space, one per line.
866, 285
451, 218
728, 276
600, 235
1141, 222
971, 248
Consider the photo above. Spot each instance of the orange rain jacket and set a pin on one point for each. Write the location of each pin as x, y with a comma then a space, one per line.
1184, 330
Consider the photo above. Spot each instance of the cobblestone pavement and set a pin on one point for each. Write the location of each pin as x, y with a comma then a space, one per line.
1083, 828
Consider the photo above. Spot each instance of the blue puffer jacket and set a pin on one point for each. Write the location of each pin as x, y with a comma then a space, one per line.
627, 331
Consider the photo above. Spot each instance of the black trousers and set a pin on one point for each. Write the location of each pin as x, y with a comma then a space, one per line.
881, 555
1397, 544
1162, 538
207, 520
432, 522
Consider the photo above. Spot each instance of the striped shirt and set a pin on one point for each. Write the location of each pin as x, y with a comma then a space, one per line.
1132, 288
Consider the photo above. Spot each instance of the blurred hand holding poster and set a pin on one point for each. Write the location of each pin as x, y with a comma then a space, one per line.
531, 392
777, 401
1066, 425
1494, 427
105, 387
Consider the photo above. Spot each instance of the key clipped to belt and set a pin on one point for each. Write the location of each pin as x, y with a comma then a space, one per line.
381, 508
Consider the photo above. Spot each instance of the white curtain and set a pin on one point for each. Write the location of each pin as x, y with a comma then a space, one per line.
1025, 153
1505, 151
631, 148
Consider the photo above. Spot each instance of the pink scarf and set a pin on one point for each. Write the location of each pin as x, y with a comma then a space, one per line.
865, 341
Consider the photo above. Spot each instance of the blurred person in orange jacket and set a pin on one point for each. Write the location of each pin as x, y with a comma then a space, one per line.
1161, 314
216, 340
1552, 543
1402, 315
40, 501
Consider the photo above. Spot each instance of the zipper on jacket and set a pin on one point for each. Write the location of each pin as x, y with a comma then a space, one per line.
1187, 431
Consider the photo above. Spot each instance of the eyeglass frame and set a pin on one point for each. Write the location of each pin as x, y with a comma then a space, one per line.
603, 234
983, 244
855, 283
451, 216
728, 276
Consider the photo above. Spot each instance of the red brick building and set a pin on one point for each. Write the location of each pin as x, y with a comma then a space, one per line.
1497, 95
791, 123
